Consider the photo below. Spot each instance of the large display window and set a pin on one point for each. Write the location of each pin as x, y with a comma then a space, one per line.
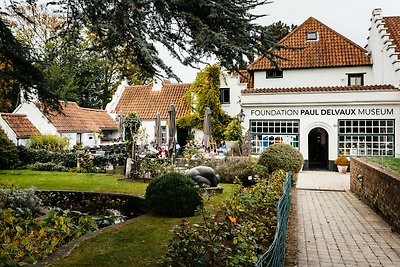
268, 132
366, 137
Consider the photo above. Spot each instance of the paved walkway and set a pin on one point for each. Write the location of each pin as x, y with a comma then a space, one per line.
337, 229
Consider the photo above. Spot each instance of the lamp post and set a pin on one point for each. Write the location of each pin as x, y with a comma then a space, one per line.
241, 116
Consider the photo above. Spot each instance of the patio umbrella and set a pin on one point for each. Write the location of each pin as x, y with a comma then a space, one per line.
207, 128
157, 131
121, 127
171, 130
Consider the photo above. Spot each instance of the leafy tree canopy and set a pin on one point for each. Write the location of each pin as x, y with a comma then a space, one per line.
190, 29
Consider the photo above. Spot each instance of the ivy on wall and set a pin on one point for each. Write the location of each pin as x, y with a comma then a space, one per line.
203, 93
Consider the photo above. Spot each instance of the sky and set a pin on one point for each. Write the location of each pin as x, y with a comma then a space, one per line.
350, 18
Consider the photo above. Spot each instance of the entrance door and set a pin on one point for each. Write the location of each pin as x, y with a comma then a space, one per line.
318, 149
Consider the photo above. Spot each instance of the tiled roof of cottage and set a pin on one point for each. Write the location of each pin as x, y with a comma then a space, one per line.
146, 102
331, 49
76, 119
380, 87
20, 124
393, 27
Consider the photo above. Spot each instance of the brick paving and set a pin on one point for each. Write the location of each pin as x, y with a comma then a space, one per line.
337, 229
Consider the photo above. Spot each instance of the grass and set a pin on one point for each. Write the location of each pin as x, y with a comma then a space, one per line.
71, 181
139, 243
388, 162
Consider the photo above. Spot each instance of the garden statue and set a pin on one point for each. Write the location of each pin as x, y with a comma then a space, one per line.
203, 175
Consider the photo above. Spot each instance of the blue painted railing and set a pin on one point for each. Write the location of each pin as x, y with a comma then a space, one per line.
275, 255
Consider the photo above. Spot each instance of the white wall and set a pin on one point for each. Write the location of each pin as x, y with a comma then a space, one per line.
36, 117
233, 83
10, 133
312, 77
386, 63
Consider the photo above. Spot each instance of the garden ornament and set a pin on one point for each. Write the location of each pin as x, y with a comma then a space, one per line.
203, 175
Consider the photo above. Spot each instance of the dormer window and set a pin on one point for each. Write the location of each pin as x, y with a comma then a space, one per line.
275, 73
312, 36
355, 79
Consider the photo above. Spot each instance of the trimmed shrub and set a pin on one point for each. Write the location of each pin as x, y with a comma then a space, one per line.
173, 195
8, 152
28, 156
240, 168
281, 157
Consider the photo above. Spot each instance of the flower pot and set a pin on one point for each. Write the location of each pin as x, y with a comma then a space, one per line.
342, 169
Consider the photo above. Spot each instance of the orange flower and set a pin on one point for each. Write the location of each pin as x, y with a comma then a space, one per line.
232, 219
276, 180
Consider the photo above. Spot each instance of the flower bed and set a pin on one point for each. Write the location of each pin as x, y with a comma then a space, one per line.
243, 229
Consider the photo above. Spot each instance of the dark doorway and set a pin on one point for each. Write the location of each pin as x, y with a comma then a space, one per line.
318, 149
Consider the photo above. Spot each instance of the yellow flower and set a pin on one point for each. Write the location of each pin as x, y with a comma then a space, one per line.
232, 219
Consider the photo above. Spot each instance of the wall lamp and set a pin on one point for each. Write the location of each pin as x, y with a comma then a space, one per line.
360, 178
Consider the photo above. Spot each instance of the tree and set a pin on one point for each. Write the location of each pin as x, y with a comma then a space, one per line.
19, 71
190, 29
276, 31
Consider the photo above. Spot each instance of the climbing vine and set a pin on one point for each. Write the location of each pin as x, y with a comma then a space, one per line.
203, 93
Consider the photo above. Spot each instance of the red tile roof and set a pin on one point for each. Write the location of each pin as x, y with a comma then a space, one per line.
76, 119
330, 50
381, 87
393, 27
20, 124
146, 102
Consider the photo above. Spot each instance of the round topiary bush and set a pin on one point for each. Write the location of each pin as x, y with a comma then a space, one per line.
281, 157
173, 195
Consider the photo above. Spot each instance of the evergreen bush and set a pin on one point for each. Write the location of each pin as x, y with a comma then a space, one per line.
47, 166
8, 152
281, 157
173, 195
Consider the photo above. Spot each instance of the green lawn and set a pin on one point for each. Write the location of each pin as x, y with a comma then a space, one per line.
389, 162
71, 181
140, 243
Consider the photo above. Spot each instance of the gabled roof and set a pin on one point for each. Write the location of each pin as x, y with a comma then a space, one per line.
331, 49
354, 88
20, 124
76, 119
392, 25
146, 102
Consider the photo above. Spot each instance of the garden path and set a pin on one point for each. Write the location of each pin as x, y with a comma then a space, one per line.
336, 229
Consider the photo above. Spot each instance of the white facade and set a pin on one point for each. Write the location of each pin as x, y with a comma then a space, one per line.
235, 87
386, 62
312, 77
324, 111
36, 117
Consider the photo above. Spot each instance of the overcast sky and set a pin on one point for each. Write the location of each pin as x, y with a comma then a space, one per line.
350, 18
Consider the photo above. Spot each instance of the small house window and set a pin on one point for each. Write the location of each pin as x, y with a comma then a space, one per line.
164, 134
225, 95
312, 36
355, 79
275, 73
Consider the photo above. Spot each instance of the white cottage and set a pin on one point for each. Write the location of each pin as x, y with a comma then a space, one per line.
85, 126
18, 128
148, 100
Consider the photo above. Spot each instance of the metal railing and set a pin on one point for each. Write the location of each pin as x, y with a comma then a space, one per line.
275, 255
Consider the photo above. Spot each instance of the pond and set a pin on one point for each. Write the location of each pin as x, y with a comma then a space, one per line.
104, 208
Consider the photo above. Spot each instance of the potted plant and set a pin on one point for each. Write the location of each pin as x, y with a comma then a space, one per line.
342, 163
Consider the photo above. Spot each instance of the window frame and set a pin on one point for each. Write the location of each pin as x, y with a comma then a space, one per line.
312, 36
355, 75
223, 95
273, 73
